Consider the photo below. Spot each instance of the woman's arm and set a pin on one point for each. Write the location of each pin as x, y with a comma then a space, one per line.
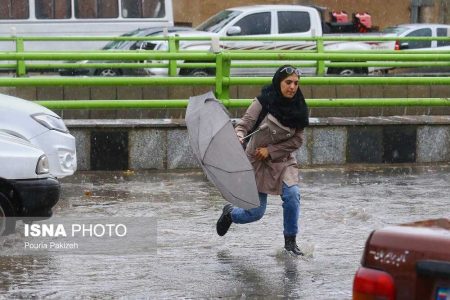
286, 147
249, 119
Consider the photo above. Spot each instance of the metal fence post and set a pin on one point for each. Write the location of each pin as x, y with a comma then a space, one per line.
320, 63
20, 63
223, 65
173, 48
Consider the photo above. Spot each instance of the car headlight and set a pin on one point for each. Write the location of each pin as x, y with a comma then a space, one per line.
51, 122
42, 165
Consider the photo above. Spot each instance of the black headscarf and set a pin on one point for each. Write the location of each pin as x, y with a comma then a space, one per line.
293, 112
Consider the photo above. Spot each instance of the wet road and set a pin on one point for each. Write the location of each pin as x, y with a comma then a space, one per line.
340, 207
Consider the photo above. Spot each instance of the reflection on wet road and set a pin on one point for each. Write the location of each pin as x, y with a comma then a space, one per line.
340, 207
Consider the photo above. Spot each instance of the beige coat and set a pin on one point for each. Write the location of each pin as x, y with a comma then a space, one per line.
281, 141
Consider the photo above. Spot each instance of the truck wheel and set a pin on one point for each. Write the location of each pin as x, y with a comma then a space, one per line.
7, 223
108, 72
347, 71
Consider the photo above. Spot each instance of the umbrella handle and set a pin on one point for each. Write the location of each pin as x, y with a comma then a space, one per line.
262, 127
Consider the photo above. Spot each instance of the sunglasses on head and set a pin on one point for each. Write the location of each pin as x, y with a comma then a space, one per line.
290, 70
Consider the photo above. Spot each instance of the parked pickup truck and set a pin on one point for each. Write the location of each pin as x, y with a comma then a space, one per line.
409, 261
263, 21
27, 190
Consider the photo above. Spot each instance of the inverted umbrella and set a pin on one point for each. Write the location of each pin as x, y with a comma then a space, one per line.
219, 151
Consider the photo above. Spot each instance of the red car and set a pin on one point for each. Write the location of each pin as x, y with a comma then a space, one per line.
408, 261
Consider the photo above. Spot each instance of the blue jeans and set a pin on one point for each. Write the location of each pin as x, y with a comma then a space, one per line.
291, 210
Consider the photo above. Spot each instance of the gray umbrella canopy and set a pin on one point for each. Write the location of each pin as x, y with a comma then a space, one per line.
219, 151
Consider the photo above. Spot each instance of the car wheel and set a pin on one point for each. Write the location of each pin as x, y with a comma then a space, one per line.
199, 72
7, 223
108, 72
347, 71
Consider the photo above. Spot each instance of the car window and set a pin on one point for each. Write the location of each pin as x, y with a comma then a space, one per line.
255, 24
216, 22
119, 44
424, 32
293, 21
395, 29
443, 32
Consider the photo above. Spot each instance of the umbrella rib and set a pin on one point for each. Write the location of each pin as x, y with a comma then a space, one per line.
240, 171
210, 143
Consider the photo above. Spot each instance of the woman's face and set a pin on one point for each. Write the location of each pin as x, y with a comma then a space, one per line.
289, 86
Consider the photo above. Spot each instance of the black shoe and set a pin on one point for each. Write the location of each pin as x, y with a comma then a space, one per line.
224, 222
291, 246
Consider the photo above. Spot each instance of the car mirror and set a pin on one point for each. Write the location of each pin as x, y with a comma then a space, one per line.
234, 30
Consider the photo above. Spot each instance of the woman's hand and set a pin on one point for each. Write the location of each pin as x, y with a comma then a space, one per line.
262, 153
240, 137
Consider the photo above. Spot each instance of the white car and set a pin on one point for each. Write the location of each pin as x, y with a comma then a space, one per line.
27, 190
42, 128
420, 30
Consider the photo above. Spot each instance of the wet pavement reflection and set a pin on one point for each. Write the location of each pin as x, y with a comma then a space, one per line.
340, 207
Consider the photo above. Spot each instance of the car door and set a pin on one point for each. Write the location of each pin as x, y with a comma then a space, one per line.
295, 24
258, 24
443, 32
422, 32
443, 45
427, 46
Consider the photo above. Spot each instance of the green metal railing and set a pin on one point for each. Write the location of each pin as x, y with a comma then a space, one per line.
173, 46
236, 103
222, 62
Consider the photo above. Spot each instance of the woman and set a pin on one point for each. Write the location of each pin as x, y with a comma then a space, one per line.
281, 114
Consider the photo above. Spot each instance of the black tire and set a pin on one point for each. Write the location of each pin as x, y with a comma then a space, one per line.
7, 220
108, 72
198, 72
348, 71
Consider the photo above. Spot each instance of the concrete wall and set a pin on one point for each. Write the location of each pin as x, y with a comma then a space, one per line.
157, 139
164, 144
